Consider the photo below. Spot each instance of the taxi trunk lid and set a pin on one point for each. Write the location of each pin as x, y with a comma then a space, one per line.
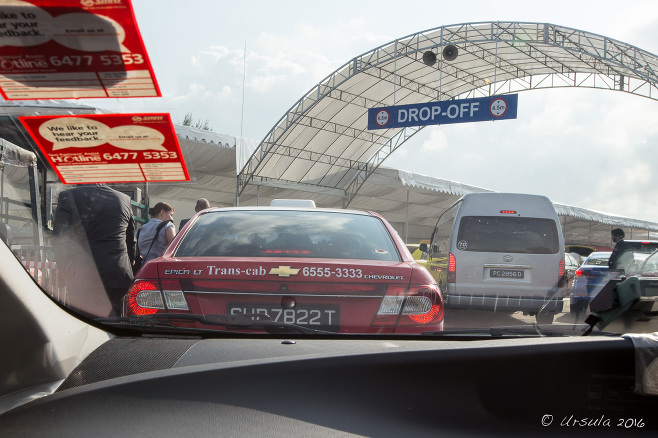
326, 294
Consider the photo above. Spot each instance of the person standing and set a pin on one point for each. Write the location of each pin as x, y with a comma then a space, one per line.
201, 204
157, 233
619, 256
94, 247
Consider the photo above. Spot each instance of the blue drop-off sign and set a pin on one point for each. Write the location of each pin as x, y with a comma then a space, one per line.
480, 109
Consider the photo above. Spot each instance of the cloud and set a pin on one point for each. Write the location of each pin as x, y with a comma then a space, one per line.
266, 71
628, 189
208, 57
436, 143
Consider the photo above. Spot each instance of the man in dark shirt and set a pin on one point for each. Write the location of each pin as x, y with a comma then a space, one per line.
618, 252
94, 246
201, 204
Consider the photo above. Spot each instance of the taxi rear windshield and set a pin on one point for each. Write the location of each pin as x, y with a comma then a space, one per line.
508, 234
288, 234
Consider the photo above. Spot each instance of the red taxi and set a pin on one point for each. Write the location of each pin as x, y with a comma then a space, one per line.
268, 268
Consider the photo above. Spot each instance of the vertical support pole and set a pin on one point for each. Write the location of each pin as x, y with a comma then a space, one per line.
35, 203
2, 189
440, 65
4, 210
495, 63
406, 222
395, 72
237, 191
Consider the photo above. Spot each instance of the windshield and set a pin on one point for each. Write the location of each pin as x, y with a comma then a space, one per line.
225, 169
649, 267
599, 259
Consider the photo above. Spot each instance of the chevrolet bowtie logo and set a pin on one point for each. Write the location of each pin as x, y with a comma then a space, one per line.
284, 271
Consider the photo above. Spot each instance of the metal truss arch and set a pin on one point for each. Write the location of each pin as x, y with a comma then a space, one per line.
326, 128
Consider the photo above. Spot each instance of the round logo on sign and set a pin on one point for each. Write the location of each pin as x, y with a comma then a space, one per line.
382, 117
462, 244
498, 107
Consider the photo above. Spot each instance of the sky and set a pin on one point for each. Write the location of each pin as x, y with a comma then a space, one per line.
589, 148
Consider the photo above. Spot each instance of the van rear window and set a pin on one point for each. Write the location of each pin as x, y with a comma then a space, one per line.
508, 234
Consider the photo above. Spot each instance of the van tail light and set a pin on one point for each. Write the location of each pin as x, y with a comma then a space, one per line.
146, 297
422, 305
561, 274
452, 268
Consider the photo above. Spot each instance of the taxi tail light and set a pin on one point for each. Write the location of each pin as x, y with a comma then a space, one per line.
423, 306
390, 307
452, 268
174, 295
146, 297
420, 306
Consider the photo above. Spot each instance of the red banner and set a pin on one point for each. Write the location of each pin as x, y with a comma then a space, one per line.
71, 49
109, 148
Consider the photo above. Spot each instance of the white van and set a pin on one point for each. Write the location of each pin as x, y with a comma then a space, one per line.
500, 252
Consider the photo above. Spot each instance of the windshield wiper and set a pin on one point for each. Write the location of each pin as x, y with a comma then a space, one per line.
243, 321
521, 331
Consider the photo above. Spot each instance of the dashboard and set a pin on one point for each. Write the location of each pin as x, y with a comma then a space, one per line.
309, 387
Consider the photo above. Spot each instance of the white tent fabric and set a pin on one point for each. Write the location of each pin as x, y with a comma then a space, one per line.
580, 225
411, 202
439, 185
244, 150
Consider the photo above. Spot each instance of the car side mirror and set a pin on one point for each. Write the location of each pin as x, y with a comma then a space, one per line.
423, 247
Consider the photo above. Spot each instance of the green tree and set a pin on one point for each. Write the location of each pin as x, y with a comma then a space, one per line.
188, 120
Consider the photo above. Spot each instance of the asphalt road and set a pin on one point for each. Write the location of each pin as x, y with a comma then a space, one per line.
461, 319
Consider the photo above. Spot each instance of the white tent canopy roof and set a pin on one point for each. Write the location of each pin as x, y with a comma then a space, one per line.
323, 139
411, 202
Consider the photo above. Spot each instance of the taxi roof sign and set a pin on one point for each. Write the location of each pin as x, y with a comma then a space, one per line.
301, 203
